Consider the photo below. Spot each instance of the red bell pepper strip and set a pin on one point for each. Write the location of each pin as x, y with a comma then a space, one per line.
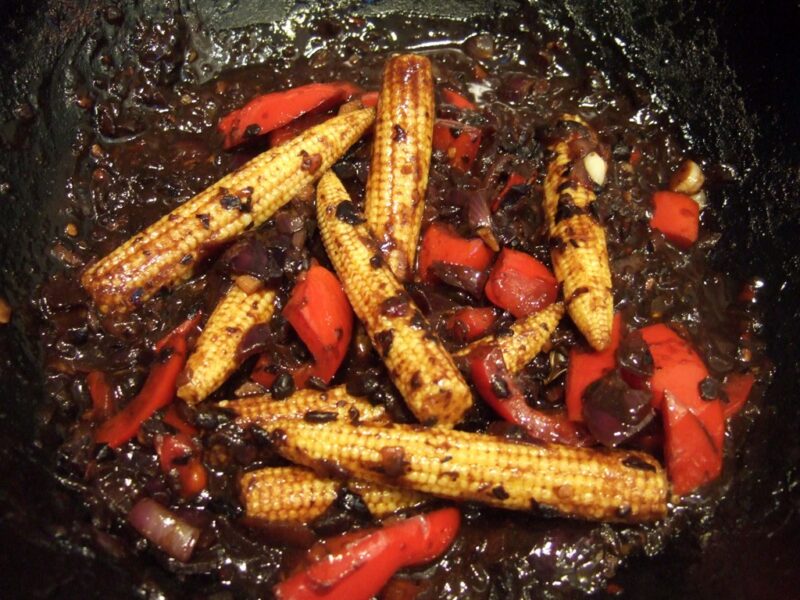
520, 284
369, 100
692, 453
677, 367
496, 386
179, 452
469, 323
102, 396
456, 99
694, 427
365, 565
513, 180
677, 216
278, 137
157, 392
174, 420
737, 387
185, 330
320, 313
458, 141
442, 243
275, 109
585, 368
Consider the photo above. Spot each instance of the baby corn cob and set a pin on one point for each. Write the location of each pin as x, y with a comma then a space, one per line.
401, 159
418, 364
165, 253
526, 339
306, 404
215, 357
604, 485
286, 494
304, 496
577, 239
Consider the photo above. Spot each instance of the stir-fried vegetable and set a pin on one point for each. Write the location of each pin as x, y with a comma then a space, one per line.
363, 566
498, 389
164, 528
677, 216
320, 313
520, 284
440, 244
157, 392
458, 141
276, 109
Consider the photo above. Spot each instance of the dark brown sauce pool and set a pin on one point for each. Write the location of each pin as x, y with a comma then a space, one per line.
151, 97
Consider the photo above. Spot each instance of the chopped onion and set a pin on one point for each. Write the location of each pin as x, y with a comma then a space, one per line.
613, 411
163, 528
468, 279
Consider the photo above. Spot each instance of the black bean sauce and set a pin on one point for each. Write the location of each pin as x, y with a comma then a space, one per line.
151, 103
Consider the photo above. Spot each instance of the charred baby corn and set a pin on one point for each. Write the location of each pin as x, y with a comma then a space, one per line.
304, 496
215, 356
577, 239
311, 405
401, 158
604, 485
165, 253
418, 364
526, 339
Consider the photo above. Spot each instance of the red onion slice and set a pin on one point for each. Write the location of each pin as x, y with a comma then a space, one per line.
163, 528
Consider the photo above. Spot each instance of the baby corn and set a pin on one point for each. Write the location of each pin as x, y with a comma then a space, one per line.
304, 496
526, 339
165, 253
577, 239
401, 158
418, 364
604, 485
306, 404
215, 357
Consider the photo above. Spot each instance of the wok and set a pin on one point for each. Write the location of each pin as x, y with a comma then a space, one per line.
725, 70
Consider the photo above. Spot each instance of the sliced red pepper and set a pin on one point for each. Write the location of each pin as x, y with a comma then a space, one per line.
737, 387
692, 453
442, 243
520, 284
174, 420
275, 109
470, 323
677, 216
369, 100
456, 99
496, 386
320, 313
585, 368
157, 392
179, 452
278, 137
694, 442
458, 141
186, 330
514, 179
102, 395
365, 565
677, 367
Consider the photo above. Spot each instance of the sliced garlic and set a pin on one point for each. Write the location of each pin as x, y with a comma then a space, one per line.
700, 198
596, 167
688, 179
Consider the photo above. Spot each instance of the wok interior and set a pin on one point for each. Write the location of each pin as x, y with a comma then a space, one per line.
704, 67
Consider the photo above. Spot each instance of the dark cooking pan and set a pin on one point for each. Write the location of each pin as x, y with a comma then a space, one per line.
726, 71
